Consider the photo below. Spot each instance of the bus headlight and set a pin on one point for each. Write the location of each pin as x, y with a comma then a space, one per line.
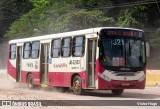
142, 78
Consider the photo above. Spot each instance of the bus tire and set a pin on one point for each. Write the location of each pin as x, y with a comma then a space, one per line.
77, 85
117, 91
30, 81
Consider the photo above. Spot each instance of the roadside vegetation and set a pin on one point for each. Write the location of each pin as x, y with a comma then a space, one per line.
40, 17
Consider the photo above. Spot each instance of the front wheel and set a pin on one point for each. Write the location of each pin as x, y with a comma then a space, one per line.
117, 91
77, 85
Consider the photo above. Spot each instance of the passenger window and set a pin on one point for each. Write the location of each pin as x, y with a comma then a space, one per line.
13, 51
66, 47
35, 50
56, 48
27, 50
78, 46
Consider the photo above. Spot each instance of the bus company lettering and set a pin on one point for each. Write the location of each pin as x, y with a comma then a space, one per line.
61, 65
122, 33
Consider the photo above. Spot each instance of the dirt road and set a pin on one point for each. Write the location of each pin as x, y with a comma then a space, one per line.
10, 90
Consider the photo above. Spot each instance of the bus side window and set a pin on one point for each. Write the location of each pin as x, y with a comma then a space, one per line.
66, 47
35, 50
56, 48
13, 51
78, 46
27, 50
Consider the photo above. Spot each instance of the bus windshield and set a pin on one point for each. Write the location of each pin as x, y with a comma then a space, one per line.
121, 52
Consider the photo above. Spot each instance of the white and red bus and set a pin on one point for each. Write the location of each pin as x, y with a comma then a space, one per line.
106, 58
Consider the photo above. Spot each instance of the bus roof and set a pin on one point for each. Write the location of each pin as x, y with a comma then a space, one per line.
66, 34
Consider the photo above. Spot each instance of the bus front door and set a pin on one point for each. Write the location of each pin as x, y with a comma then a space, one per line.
18, 64
44, 63
91, 62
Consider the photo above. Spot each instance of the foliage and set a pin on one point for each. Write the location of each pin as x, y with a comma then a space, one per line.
52, 16
11, 10
91, 3
28, 25
39, 4
58, 17
82, 19
142, 16
126, 19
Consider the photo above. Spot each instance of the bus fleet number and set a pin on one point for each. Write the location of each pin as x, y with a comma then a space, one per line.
74, 62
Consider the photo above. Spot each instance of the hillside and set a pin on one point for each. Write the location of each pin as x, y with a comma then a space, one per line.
52, 16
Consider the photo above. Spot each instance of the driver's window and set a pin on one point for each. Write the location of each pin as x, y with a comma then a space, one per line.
135, 48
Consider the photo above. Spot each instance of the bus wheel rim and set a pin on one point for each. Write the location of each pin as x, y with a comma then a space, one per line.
77, 85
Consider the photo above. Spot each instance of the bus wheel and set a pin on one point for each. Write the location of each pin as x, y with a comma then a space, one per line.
117, 91
77, 86
30, 81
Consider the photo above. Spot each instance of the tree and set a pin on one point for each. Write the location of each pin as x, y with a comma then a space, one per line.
126, 19
10, 10
52, 16
141, 16
81, 19
39, 4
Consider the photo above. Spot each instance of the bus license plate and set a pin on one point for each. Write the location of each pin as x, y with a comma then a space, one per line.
125, 84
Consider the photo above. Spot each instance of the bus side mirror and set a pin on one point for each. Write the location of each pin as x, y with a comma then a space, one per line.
147, 49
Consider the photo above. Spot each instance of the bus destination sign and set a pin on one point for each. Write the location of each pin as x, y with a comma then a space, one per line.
124, 33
